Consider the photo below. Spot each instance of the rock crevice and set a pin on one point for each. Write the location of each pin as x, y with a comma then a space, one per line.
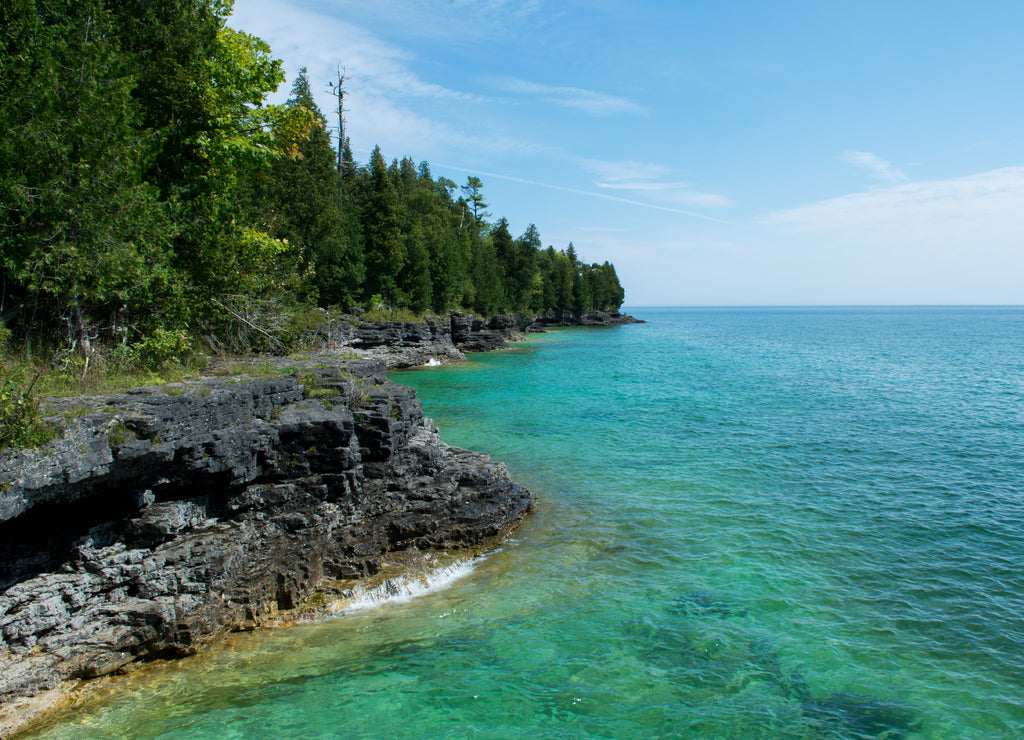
164, 516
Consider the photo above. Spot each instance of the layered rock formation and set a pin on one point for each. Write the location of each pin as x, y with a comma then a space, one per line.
165, 516
581, 317
409, 344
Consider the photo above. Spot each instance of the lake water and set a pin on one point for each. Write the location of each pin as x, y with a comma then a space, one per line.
752, 523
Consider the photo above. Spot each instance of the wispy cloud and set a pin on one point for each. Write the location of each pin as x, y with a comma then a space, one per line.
650, 181
613, 170
381, 81
681, 193
373, 63
592, 102
578, 191
979, 209
448, 21
874, 165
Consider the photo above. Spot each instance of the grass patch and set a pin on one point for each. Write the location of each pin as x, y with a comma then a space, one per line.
63, 380
259, 369
375, 315
75, 412
327, 392
121, 434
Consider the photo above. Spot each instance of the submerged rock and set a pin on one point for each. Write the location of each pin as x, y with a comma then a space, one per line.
159, 520
856, 716
706, 604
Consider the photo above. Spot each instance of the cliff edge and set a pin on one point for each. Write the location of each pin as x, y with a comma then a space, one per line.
403, 344
162, 517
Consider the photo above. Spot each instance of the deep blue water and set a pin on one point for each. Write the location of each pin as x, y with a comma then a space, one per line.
753, 523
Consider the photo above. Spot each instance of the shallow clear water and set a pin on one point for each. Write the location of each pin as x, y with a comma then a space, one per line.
781, 523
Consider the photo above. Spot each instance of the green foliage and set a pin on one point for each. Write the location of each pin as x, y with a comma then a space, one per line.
20, 422
83, 234
298, 199
307, 319
382, 313
383, 241
162, 347
120, 434
151, 195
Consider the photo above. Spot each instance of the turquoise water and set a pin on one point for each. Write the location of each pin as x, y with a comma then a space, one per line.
753, 523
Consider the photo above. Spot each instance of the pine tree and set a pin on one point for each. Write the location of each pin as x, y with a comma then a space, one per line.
298, 199
384, 247
82, 235
505, 257
529, 285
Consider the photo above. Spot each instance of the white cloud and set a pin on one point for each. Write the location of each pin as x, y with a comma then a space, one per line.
646, 180
615, 170
680, 193
379, 76
875, 165
589, 101
587, 193
982, 209
320, 42
449, 21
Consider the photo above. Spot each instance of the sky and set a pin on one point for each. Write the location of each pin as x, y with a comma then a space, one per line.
736, 152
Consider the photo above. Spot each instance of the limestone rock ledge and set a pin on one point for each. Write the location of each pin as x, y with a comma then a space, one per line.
403, 344
165, 516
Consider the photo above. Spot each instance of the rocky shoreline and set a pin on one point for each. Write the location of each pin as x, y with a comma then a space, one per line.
443, 341
163, 517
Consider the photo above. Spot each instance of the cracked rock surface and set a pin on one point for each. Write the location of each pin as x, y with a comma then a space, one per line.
163, 517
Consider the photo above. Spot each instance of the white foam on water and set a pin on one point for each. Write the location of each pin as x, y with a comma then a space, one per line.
404, 588
433, 362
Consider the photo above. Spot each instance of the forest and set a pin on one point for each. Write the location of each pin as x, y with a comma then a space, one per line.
152, 200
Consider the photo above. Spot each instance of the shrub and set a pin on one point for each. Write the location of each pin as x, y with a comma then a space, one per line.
162, 347
20, 423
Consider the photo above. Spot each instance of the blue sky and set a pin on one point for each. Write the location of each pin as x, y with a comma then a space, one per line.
718, 153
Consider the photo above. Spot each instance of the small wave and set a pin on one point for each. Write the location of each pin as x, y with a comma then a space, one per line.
433, 362
405, 587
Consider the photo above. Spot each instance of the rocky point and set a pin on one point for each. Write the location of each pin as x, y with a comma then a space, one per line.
163, 517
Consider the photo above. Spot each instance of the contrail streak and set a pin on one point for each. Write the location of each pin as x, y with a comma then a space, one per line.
565, 189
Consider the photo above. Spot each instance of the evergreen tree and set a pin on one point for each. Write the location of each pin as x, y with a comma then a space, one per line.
488, 295
384, 245
448, 264
415, 278
565, 272
82, 235
583, 295
505, 256
298, 199
529, 285
475, 198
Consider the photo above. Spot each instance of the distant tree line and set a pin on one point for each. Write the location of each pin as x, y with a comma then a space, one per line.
148, 194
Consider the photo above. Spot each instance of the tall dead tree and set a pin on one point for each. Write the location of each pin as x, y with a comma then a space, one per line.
338, 91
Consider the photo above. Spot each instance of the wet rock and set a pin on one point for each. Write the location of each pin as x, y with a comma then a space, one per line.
442, 341
582, 317
159, 520
398, 343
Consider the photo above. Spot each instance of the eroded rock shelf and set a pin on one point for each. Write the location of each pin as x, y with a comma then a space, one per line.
165, 516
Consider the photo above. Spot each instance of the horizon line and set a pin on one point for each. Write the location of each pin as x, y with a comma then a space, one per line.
823, 305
